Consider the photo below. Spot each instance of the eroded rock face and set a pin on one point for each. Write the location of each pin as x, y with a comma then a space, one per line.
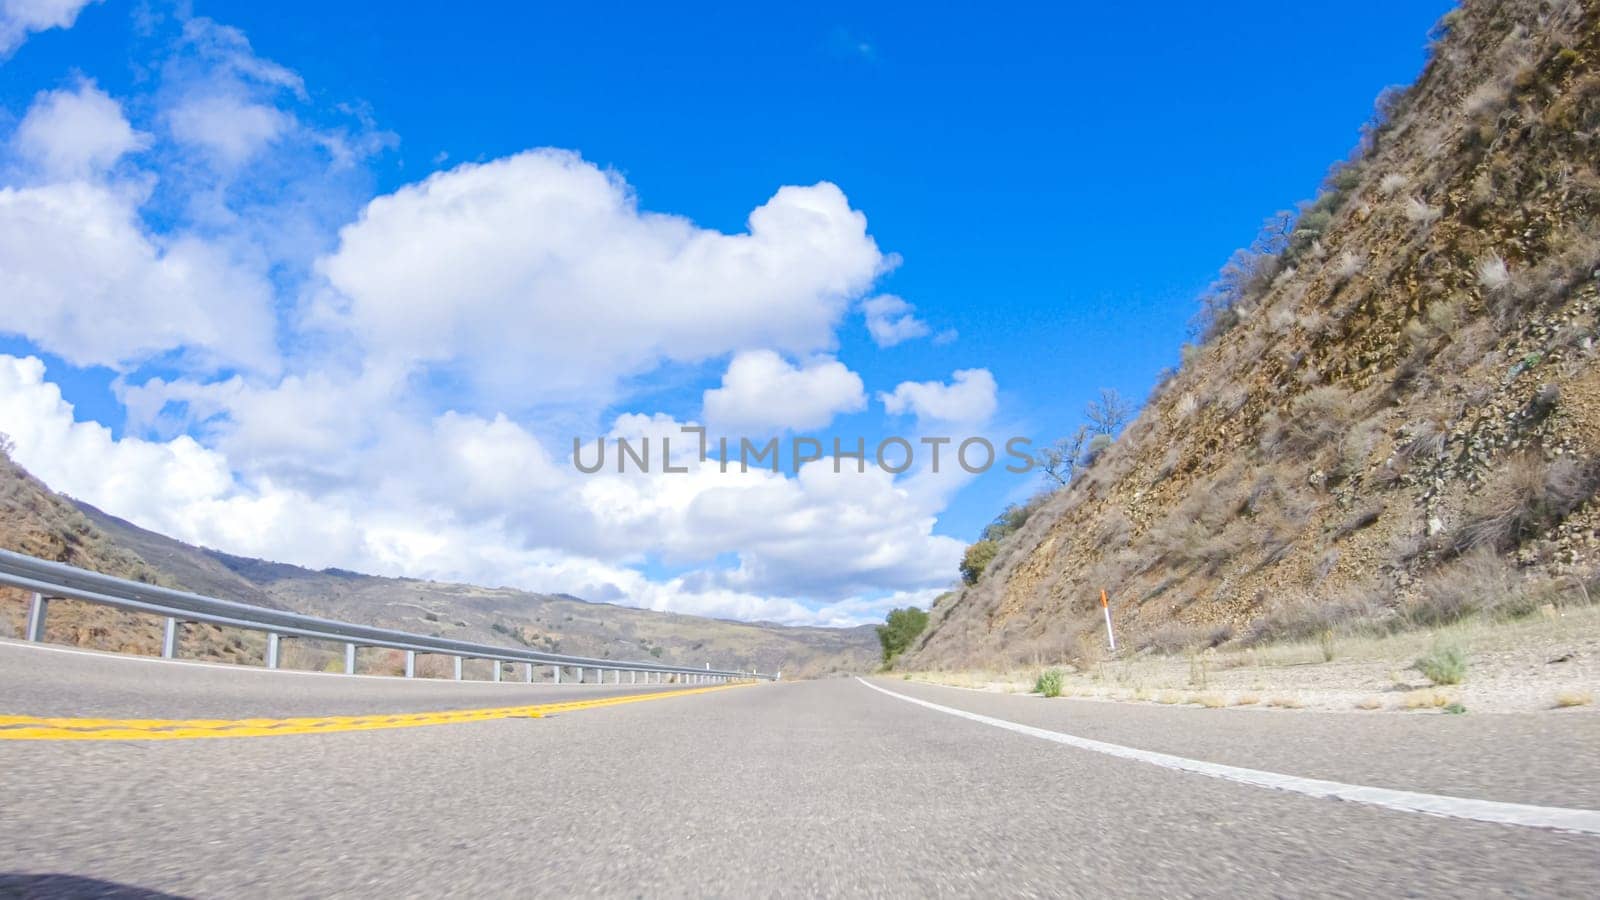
1410, 382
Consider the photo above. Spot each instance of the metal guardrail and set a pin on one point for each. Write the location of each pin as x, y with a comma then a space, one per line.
53, 580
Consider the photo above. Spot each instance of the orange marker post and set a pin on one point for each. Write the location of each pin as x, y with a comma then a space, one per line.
1105, 607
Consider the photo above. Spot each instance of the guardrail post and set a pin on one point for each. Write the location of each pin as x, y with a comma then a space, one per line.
496, 664
633, 677
556, 671
528, 673
411, 663
36, 614
273, 640
349, 659
169, 639
458, 668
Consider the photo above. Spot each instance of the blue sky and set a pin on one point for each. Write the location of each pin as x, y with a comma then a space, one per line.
1054, 186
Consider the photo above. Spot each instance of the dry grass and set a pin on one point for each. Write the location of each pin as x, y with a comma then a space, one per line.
1212, 701
1369, 703
1286, 702
1317, 417
1573, 697
1169, 698
1425, 699
1246, 700
1524, 496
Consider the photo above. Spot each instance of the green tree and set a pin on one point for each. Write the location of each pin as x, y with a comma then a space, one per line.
900, 628
976, 559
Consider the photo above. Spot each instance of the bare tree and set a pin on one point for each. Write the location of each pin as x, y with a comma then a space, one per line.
1059, 461
1108, 414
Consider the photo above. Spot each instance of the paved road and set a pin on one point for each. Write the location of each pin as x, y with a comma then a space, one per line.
804, 789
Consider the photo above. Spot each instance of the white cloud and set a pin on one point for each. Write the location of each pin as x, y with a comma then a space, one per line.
76, 133
18, 18
411, 413
83, 280
446, 507
891, 320
969, 399
537, 277
231, 128
761, 390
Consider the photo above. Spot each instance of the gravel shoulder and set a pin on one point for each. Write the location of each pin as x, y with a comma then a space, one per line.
1547, 663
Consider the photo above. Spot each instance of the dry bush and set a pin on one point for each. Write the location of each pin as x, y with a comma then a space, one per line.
1112, 530
1315, 418
1553, 278
1348, 265
1482, 583
1493, 275
1425, 438
1392, 184
1177, 637
1524, 497
1420, 213
1301, 618
1172, 637
1169, 462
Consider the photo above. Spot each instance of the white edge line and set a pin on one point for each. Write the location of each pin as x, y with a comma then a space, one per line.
1572, 821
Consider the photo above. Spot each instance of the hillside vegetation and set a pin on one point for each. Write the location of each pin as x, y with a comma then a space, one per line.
1391, 415
37, 521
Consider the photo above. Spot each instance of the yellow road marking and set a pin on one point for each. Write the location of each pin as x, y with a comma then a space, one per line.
39, 728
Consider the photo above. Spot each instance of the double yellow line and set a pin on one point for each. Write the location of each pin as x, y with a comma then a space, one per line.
37, 728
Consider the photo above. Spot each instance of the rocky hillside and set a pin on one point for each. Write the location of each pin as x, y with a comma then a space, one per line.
37, 521
1391, 417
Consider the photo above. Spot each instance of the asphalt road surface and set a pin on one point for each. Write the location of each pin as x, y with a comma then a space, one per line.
825, 788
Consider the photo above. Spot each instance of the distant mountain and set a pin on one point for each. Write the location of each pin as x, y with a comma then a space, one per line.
40, 522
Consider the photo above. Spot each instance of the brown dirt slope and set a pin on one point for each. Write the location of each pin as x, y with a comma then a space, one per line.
1393, 419
42, 523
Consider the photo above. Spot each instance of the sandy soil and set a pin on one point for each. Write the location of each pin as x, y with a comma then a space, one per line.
1546, 662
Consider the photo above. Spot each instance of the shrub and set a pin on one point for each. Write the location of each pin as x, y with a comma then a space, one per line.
1524, 497
900, 628
1048, 683
1316, 417
1013, 518
1421, 213
977, 559
1444, 664
1492, 273
1304, 619
1349, 264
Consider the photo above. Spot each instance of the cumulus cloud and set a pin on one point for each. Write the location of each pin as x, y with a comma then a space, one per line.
761, 390
398, 395
537, 276
76, 133
83, 280
231, 128
891, 320
968, 399
442, 505
19, 18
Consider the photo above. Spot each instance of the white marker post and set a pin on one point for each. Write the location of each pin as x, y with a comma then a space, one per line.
1105, 607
